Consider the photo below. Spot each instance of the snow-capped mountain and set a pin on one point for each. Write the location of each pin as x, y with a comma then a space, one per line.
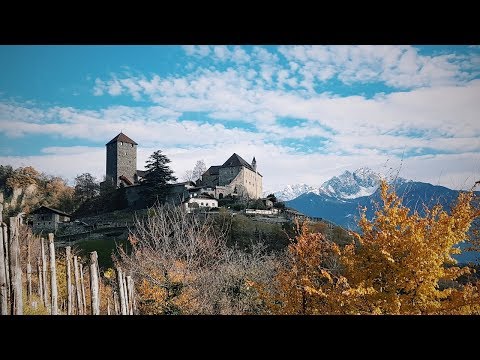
293, 191
362, 182
349, 185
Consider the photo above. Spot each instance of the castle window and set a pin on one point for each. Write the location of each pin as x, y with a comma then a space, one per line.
132, 145
121, 142
125, 153
201, 203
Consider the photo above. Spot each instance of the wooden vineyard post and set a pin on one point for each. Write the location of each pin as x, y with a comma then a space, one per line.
82, 283
130, 295
15, 269
40, 281
44, 268
53, 275
3, 275
78, 287
29, 274
6, 250
69, 281
123, 303
125, 292
115, 302
94, 297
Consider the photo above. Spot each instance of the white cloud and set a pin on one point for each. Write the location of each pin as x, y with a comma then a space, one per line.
114, 88
221, 52
438, 114
397, 66
197, 50
240, 56
66, 163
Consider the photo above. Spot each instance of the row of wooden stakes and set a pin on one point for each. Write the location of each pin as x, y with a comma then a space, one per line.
11, 288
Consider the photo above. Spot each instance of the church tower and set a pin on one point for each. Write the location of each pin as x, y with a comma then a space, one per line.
254, 164
121, 160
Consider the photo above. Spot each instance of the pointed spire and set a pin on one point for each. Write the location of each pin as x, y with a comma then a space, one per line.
254, 164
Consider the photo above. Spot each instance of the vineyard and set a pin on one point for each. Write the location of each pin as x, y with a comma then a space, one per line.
38, 279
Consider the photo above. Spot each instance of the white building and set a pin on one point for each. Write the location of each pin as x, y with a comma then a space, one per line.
202, 201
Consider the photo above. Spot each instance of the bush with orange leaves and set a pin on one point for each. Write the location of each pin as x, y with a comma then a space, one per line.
401, 264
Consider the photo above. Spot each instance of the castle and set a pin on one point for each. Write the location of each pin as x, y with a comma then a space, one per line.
234, 177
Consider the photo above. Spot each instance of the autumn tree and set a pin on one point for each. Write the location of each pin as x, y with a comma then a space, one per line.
58, 194
405, 259
310, 282
401, 263
158, 174
22, 177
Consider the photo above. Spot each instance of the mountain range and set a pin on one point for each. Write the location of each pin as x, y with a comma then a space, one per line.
349, 185
340, 199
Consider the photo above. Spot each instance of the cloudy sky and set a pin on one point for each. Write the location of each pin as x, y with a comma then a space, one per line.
306, 113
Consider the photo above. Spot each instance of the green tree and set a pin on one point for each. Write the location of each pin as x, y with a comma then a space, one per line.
86, 187
158, 175
107, 188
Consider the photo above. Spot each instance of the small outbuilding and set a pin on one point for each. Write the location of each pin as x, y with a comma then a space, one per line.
47, 219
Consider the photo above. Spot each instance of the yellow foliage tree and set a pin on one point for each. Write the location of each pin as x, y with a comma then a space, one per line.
401, 264
311, 282
407, 259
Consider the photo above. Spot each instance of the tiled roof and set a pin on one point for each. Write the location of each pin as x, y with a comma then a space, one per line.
213, 170
122, 137
236, 160
51, 210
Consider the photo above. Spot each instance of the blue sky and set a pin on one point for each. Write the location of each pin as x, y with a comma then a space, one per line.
305, 112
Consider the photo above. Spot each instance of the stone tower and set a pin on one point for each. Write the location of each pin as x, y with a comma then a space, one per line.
121, 160
254, 164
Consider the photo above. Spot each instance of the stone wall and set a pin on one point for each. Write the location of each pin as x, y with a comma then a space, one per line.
45, 222
247, 183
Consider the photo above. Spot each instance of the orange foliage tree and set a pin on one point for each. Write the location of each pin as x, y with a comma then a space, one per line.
401, 263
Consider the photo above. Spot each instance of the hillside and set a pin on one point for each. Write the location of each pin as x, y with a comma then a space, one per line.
25, 188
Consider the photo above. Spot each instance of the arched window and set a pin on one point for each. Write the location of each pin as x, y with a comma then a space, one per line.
220, 196
121, 142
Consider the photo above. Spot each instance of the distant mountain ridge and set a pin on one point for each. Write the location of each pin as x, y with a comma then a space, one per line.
349, 185
345, 211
